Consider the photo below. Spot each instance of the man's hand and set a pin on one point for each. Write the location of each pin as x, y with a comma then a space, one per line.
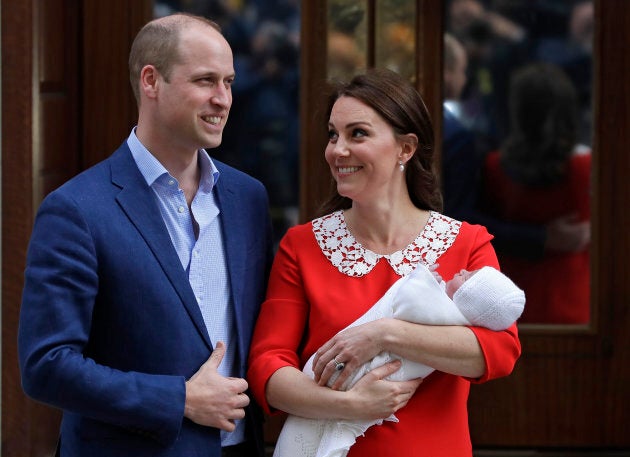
214, 400
567, 234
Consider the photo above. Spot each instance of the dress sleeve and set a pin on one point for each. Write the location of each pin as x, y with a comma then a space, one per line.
281, 323
501, 349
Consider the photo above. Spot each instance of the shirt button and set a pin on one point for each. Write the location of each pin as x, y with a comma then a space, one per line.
181, 209
171, 182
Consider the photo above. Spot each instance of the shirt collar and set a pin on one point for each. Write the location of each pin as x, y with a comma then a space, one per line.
152, 169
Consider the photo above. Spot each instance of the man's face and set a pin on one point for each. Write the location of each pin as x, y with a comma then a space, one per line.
194, 104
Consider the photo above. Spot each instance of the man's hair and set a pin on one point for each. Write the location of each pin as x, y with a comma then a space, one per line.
157, 44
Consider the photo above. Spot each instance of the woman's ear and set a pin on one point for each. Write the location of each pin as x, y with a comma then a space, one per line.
409, 143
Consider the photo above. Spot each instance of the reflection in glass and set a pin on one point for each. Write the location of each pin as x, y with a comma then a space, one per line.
395, 36
347, 37
516, 142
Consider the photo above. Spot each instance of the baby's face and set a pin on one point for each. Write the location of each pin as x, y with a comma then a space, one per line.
459, 279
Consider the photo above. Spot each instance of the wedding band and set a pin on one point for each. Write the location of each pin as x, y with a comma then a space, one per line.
338, 365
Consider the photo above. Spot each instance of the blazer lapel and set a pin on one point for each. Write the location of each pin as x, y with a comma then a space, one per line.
234, 239
138, 202
233, 236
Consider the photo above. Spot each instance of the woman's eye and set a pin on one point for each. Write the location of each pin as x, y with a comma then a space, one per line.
332, 135
356, 133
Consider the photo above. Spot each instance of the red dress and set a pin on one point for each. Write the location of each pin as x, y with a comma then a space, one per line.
322, 280
557, 287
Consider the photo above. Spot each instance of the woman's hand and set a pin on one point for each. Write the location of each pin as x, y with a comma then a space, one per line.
376, 398
372, 397
352, 347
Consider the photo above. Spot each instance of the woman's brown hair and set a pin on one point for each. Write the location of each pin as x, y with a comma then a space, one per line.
544, 125
399, 103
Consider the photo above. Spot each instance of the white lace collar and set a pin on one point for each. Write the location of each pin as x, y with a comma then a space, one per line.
352, 259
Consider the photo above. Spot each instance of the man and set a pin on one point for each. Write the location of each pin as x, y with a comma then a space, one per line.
460, 161
145, 273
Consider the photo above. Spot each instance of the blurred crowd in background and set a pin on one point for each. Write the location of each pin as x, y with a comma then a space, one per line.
261, 136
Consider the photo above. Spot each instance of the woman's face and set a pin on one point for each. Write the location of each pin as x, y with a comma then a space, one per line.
363, 152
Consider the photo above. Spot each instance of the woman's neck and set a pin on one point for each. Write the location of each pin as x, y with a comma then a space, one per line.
385, 230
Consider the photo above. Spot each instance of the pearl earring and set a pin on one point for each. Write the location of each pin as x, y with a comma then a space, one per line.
401, 165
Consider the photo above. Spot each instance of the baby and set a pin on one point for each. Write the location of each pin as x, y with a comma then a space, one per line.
484, 298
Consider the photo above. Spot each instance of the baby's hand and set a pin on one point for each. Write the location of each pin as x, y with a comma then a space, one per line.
433, 269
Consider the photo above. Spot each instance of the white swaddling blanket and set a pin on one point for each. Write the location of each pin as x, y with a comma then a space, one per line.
418, 298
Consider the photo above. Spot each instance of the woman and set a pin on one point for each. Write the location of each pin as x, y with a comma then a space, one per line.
540, 175
380, 223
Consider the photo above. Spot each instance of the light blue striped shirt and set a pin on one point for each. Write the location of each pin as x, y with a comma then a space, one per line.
203, 257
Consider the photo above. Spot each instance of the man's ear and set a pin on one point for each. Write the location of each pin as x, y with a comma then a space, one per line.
149, 78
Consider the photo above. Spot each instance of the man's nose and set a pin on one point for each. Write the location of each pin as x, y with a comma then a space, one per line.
221, 96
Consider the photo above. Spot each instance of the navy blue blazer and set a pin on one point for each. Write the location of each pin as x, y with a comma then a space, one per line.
110, 329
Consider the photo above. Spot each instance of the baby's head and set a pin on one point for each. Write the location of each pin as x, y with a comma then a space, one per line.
456, 282
487, 295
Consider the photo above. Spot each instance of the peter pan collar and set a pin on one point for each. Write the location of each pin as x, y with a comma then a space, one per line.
352, 259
